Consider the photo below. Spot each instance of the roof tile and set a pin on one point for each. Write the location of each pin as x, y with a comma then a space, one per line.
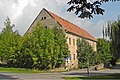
71, 27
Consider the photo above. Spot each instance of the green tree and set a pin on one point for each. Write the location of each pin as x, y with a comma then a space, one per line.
34, 45
86, 8
47, 47
10, 43
60, 46
103, 49
5, 36
23, 58
41, 49
112, 31
86, 56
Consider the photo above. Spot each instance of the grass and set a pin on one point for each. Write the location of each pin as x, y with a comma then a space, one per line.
19, 70
104, 69
103, 77
23, 70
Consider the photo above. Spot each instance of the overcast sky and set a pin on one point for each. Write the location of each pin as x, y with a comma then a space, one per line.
23, 12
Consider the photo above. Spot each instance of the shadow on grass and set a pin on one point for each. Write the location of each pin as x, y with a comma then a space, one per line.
117, 67
110, 76
85, 74
7, 77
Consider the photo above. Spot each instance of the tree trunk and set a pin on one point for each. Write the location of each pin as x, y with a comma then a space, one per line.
88, 72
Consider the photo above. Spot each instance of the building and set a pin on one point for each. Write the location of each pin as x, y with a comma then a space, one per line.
73, 32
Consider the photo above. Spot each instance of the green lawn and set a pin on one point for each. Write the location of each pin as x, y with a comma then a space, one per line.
23, 70
111, 76
19, 70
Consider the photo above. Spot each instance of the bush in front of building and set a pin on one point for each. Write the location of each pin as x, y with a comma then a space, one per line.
42, 49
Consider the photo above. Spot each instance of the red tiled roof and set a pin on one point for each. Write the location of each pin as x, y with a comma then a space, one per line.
71, 27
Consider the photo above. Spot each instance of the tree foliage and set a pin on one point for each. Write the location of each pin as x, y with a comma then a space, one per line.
60, 45
86, 55
47, 47
103, 49
44, 48
10, 43
112, 31
86, 8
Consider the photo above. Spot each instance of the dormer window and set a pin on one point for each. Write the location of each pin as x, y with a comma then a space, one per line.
44, 17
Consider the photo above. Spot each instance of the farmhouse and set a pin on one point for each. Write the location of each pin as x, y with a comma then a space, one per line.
49, 19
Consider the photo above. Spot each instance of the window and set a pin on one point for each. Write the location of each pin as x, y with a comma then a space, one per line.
69, 41
70, 57
46, 27
74, 56
44, 17
73, 41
